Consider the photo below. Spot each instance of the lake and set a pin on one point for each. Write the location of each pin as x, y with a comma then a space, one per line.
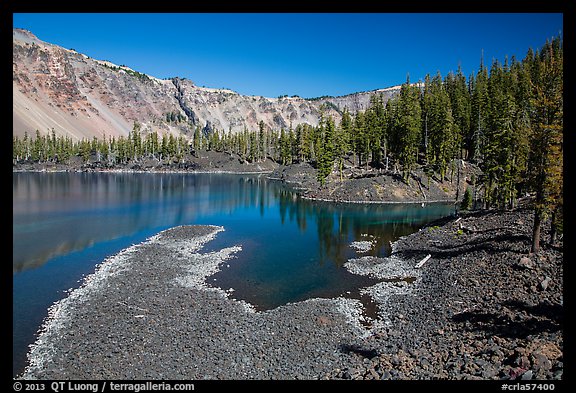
64, 224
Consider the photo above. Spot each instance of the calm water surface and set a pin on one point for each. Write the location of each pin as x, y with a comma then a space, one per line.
292, 249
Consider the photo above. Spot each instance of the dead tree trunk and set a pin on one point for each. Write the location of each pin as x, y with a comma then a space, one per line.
536, 232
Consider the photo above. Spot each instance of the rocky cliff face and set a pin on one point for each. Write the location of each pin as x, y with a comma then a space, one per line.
60, 89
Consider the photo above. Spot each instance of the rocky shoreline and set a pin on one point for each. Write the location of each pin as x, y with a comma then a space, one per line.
478, 308
147, 314
358, 185
205, 162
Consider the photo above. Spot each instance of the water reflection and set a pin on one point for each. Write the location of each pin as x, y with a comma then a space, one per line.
55, 214
340, 224
292, 249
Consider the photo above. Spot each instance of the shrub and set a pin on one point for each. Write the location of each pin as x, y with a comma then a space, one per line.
466, 200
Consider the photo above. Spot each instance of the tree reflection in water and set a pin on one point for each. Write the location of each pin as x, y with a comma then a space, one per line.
340, 224
292, 249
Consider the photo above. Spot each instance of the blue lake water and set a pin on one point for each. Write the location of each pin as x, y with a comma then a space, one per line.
292, 249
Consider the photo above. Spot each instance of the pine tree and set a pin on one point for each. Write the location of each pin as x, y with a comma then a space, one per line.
103, 148
300, 143
244, 142
376, 122
284, 148
165, 152
27, 149
496, 129
325, 160
95, 148
479, 113
84, 150
408, 127
391, 124
466, 200
152, 142
442, 138
546, 164
261, 141
172, 146
253, 152
504, 149
38, 148
292, 145
136, 141
426, 106
112, 151
461, 108
522, 123
197, 141
341, 142
182, 147
17, 149
360, 138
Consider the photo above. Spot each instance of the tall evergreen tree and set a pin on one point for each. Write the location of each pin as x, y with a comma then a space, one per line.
522, 123
426, 106
285, 156
325, 157
341, 142
461, 108
376, 121
261, 141
408, 127
496, 137
253, 148
300, 143
361, 141
479, 112
442, 138
391, 124
546, 165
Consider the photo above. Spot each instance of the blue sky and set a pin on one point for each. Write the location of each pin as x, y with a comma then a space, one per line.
309, 55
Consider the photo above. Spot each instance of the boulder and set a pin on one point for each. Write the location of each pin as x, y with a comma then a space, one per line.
527, 375
544, 283
525, 263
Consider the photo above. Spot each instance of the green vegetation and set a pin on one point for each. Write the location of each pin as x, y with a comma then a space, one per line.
110, 151
319, 98
325, 149
175, 117
330, 105
466, 200
140, 76
508, 121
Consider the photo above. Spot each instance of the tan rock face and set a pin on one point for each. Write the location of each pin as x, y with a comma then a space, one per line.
79, 97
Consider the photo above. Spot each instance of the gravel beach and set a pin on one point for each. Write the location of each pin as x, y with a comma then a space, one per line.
479, 308
147, 314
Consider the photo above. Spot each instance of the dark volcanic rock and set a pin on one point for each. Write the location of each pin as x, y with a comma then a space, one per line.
205, 161
471, 313
148, 314
369, 185
468, 313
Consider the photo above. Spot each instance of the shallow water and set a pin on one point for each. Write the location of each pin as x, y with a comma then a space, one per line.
292, 249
